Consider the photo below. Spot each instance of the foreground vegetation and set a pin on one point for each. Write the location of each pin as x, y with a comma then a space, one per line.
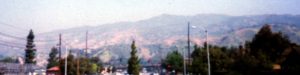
268, 53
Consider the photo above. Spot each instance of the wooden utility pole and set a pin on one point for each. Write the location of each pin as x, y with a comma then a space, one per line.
188, 42
78, 72
59, 44
86, 44
59, 53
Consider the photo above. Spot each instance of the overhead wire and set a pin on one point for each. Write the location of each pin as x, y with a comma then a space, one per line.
11, 36
24, 39
18, 28
13, 46
20, 31
16, 43
13, 26
21, 45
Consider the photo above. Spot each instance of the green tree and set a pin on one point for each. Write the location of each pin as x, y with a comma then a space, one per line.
269, 43
266, 49
86, 66
174, 61
30, 51
96, 60
219, 60
133, 62
94, 68
53, 58
251, 65
198, 66
78, 65
9, 60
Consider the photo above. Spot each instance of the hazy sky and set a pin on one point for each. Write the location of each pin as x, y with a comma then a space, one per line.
47, 15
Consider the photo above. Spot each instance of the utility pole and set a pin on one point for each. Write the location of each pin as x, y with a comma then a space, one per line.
207, 49
188, 42
59, 54
184, 63
160, 56
86, 44
59, 44
66, 61
78, 72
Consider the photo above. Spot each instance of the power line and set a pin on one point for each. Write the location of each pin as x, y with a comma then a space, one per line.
20, 38
13, 26
18, 45
14, 29
38, 40
12, 46
22, 30
12, 42
15, 37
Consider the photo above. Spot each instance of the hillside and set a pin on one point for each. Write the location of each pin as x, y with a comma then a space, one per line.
158, 35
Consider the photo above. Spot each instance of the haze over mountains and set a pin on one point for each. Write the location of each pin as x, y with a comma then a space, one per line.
158, 35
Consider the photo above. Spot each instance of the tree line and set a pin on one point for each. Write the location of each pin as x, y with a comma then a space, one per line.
78, 65
267, 53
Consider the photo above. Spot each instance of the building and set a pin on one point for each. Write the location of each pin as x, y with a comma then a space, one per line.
18, 69
53, 71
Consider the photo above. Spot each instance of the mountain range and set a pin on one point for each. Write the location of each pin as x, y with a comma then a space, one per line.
157, 36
